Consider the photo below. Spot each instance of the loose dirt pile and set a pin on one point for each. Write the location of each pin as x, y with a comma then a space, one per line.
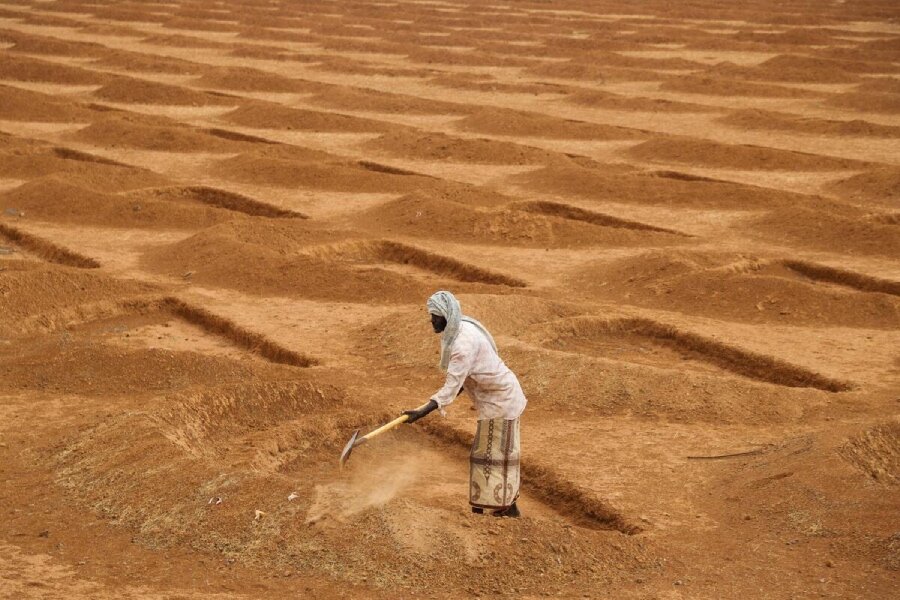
273, 116
543, 226
744, 157
715, 85
351, 98
240, 79
140, 91
54, 199
526, 124
443, 147
24, 68
734, 287
258, 259
810, 228
768, 120
25, 105
115, 131
881, 186
663, 188
33, 161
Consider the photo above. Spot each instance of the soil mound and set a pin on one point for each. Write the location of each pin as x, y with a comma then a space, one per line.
442, 147
184, 41
82, 365
418, 214
595, 335
590, 72
873, 102
635, 103
821, 67
57, 199
49, 292
662, 188
148, 63
251, 80
141, 91
420, 54
496, 121
386, 251
714, 85
731, 156
217, 198
24, 105
131, 131
883, 85
311, 172
876, 452
24, 68
482, 83
273, 116
38, 44
832, 228
775, 121
46, 249
878, 185
349, 98
346, 66
785, 69
84, 169
735, 288
262, 266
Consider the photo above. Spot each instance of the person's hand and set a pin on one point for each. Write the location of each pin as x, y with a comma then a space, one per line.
418, 413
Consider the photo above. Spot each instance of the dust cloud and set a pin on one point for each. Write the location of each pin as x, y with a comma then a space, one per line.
367, 486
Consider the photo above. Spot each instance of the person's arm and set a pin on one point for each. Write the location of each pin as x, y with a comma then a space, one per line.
458, 369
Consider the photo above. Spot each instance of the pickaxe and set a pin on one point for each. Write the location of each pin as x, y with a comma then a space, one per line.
355, 440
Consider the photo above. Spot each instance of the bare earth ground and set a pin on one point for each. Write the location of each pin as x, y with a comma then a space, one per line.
219, 222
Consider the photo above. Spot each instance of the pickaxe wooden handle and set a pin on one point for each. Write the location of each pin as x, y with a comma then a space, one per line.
355, 440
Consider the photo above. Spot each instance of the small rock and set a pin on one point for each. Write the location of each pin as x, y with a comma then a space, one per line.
187, 274
829, 564
258, 514
747, 517
292, 496
679, 582
44, 533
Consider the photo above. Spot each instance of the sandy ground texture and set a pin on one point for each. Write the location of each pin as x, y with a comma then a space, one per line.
220, 221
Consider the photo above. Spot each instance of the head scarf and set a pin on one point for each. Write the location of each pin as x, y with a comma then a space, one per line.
445, 304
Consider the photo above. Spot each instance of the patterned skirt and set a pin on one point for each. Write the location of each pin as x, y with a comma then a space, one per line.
494, 464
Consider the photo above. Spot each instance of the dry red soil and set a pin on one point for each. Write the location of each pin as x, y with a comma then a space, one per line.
220, 221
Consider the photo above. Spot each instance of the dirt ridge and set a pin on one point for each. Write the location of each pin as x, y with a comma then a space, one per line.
726, 356
46, 249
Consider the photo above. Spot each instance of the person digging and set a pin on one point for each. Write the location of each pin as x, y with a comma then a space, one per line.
469, 357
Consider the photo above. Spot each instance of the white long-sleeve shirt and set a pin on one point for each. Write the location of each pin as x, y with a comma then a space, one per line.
474, 363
